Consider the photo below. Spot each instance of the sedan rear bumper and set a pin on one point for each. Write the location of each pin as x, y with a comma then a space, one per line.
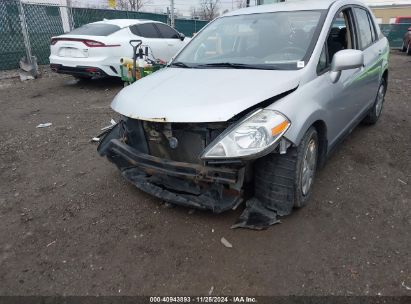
82, 71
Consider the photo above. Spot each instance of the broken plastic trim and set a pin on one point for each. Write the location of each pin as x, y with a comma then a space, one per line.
183, 192
256, 216
153, 165
187, 184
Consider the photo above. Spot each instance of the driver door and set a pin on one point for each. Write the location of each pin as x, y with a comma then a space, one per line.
344, 95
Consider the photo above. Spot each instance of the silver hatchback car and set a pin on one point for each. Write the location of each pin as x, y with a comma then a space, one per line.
251, 107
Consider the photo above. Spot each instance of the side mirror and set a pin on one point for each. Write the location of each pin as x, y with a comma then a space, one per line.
182, 36
345, 60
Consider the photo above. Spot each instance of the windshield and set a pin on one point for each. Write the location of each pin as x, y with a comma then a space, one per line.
96, 29
280, 40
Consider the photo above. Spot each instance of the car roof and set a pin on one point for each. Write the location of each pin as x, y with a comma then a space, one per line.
290, 6
124, 22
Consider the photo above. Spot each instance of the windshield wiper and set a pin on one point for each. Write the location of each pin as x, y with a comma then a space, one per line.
180, 64
236, 66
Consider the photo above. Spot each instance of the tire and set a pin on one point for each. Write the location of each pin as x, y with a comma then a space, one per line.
375, 111
278, 178
409, 48
403, 48
82, 77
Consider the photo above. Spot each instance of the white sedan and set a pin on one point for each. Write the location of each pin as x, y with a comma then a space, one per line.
95, 49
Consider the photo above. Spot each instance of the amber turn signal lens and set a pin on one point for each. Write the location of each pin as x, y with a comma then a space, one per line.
279, 128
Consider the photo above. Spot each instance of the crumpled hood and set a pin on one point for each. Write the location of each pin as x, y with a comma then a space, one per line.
201, 95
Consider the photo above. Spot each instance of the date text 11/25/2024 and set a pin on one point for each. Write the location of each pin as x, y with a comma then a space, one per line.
204, 299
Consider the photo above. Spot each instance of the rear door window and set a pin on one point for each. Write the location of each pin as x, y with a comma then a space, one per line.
146, 30
96, 29
365, 29
166, 31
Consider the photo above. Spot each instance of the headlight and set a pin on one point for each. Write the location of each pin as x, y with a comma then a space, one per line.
253, 135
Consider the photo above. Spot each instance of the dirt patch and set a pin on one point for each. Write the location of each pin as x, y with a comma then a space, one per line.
71, 225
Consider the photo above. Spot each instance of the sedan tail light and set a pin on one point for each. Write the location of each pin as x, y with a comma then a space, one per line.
87, 42
92, 43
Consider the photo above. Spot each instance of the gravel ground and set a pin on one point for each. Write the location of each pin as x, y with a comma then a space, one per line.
71, 225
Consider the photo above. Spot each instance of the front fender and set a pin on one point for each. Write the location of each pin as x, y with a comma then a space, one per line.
303, 107
298, 129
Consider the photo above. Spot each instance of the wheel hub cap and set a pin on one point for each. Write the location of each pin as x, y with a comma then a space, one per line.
309, 164
380, 100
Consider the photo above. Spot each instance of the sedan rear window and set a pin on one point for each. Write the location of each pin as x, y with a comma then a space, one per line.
96, 29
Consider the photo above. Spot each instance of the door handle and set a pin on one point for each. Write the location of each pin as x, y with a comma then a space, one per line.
379, 52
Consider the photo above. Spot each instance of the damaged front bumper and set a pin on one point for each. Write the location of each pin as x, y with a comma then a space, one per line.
214, 188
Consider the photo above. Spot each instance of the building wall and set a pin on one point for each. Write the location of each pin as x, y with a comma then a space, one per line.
385, 11
386, 15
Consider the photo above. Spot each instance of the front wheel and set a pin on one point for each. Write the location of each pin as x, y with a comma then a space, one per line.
409, 48
376, 109
284, 181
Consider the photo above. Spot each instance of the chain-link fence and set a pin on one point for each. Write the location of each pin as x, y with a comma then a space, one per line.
11, 37
189, 27
395, 33
43, 21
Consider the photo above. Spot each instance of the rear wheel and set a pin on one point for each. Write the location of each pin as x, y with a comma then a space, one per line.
284, 181
376, 110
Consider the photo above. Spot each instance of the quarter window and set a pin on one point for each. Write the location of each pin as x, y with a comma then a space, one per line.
323, 62
365, 29
134, 30
166, 31
146, 30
